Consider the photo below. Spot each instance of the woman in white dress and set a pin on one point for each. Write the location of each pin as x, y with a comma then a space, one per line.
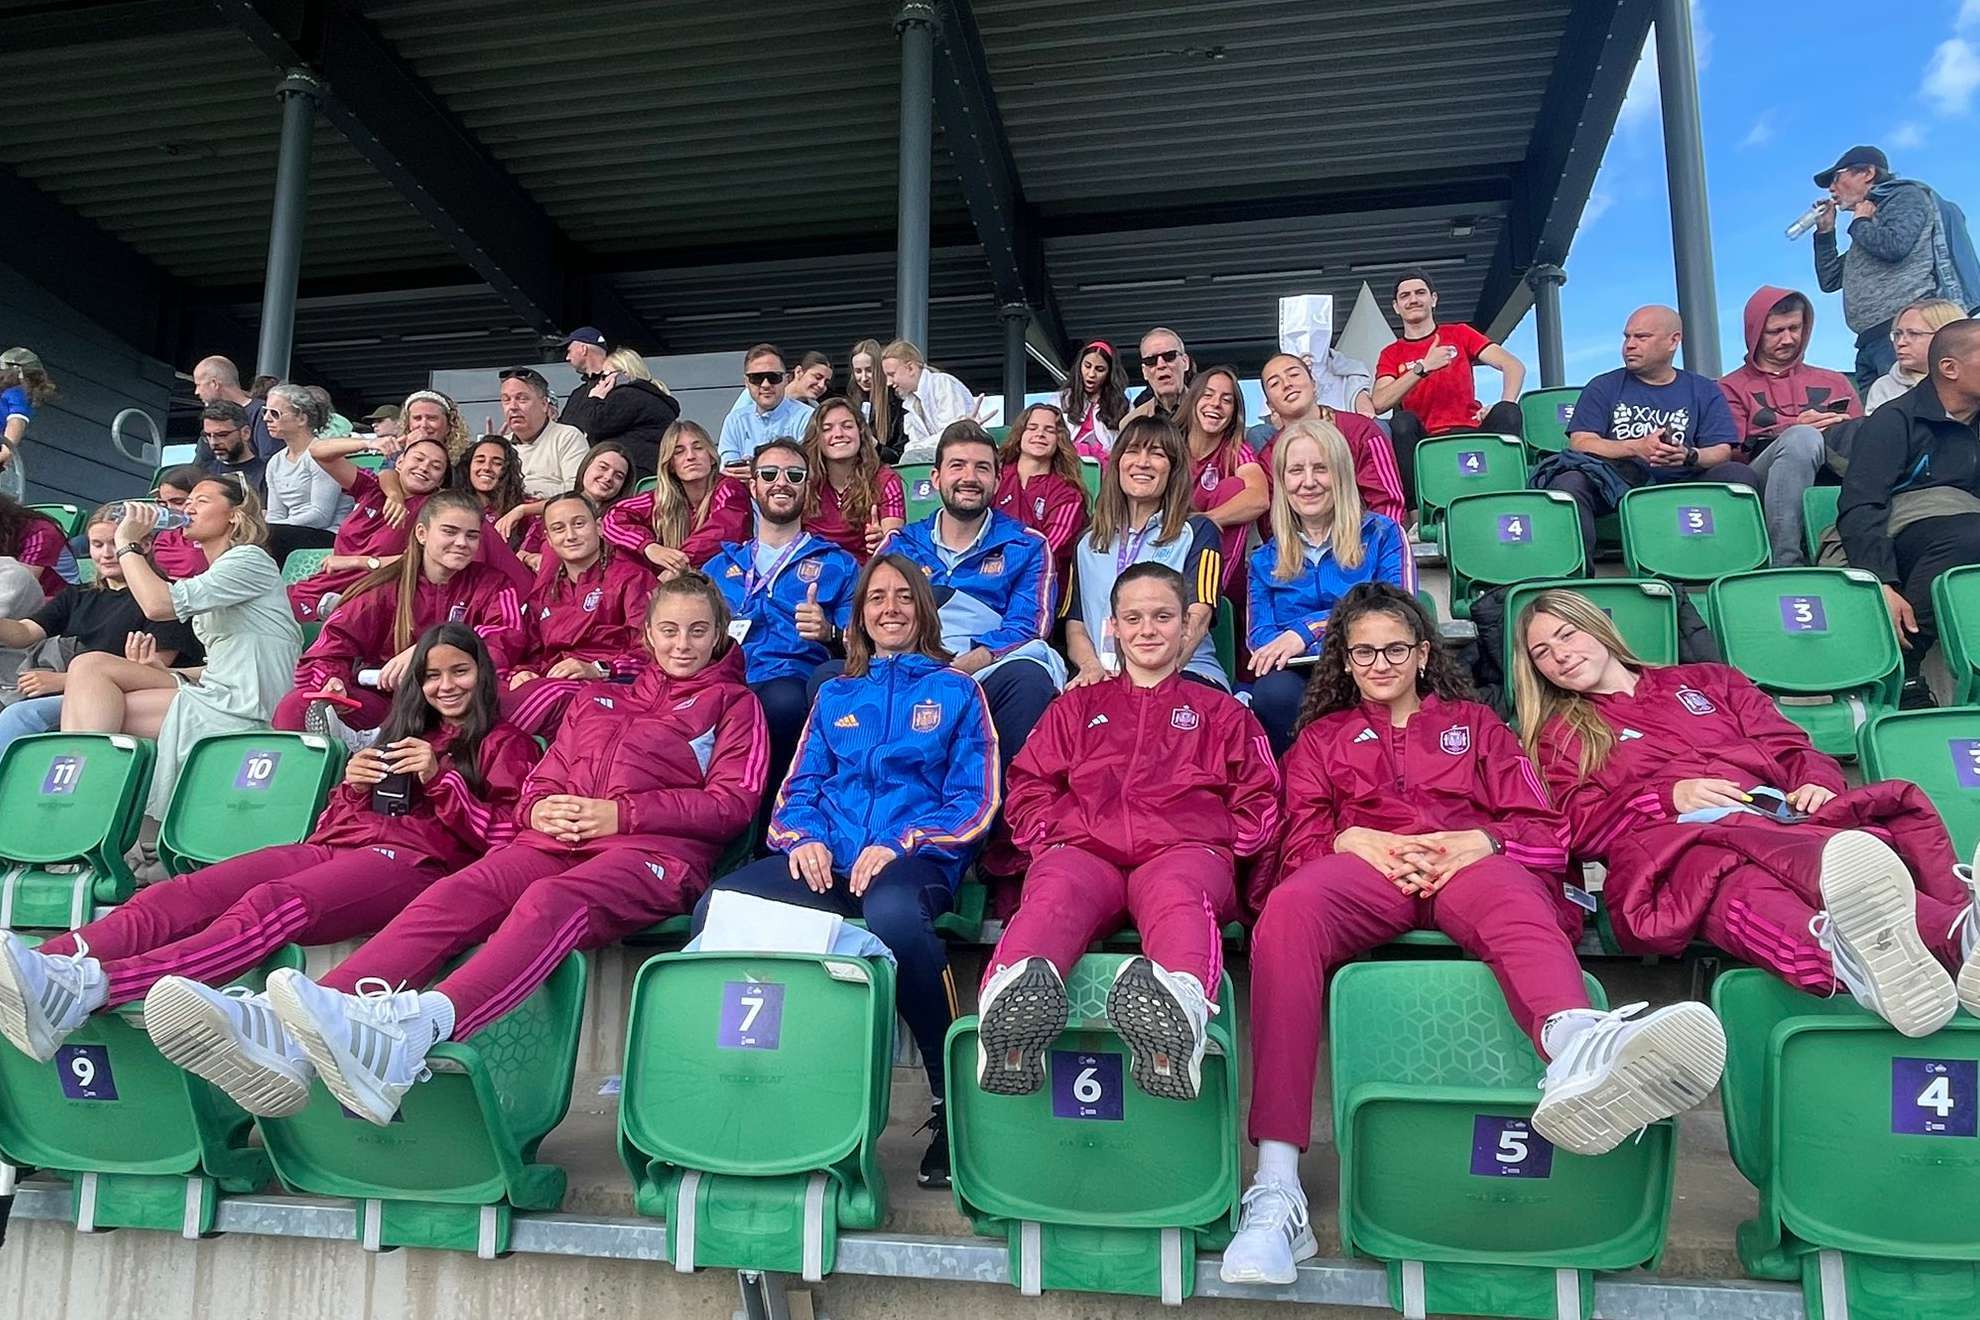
237, 608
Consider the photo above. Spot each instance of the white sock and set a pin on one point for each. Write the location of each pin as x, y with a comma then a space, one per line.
439, 1010
1563, 1027
1278, 1161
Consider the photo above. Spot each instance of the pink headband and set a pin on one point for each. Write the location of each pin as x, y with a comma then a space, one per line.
1102, 345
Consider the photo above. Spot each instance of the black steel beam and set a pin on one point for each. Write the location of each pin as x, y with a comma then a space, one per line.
1598, 54
973, 132
42, 28
1486, 190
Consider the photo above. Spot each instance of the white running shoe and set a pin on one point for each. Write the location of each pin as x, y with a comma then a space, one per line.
1968, 981
369, 1047
1870, 929
45, 996
1615, 1077
1161, 1015
321, 718
231, 1038
1022, 1010
1274, 1236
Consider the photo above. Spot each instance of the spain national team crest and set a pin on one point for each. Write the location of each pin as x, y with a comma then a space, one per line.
591, 599
809, 570
1209, 479
1695, 701
993, 564
1183, 717
1038, 506
927, 717
457, 614
1455, 740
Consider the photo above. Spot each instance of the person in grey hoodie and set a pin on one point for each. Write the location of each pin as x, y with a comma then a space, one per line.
1890, 258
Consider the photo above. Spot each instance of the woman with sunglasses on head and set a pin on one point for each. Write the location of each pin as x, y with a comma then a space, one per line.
368, 539
439, 790
305, 503
604, 477
1040, 482
853, 500
867, 388
171, 552
1717, 819
693, 511
1094, 401
1410, 806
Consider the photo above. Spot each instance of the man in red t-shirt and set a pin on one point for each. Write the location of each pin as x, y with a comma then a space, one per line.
1423, 380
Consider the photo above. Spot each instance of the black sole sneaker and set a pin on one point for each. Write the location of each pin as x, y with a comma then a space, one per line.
1023, 1018
934, 1172
1146, 1015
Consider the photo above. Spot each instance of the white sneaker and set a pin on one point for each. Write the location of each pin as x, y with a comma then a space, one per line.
1161, 1016
1022, 1010
45, 996
1615, 1077
232, 1039
321, 718
369, 1047
1968, 981
1870, 930
1274, 1236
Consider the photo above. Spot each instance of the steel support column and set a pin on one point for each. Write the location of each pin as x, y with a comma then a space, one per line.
1017, 323
298, 94
1546, 280
916, 25
1684, 163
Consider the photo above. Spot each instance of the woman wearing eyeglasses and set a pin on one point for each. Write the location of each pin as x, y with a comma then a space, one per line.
1718, 820
1410, 806
1911, 338
693, 510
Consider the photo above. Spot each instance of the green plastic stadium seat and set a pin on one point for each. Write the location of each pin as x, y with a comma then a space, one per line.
756, 1089
1861, 1144
1546, 414
1451, 466
1938, 750
1693, 531
1442, 1177
1223, 639
1644, 610
143, 1143
999, 433
645, 484
1956, 607
460, 1157
70, 807
963, 922
1090, 473
369, 462
1819, 640
918, 483
241, 791
1096, 1186
1514, 536
302, 563
66, 516
1818, 515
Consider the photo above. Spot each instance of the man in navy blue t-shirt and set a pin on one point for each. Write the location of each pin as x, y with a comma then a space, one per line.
1649, 421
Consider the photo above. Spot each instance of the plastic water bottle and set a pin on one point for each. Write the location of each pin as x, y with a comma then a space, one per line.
1804, 222
169, 520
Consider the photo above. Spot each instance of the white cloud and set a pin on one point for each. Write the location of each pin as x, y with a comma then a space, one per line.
1910, 135
1969, 15
1762, 131
1599, 203
1953, 75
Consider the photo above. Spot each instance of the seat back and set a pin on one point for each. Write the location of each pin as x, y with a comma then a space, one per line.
1644, 610
918, 485
1546, 414
1451, 466
1805, 630
68, 517
1938, 750
73, 800
302, 563
1090, 474
241, 791
1818, 515
645, 484
1956, 606
1515, 536
1693, 531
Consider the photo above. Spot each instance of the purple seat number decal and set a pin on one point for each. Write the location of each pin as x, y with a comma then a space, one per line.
64, 773
752, 1015
1504, 1147
1934, 1097
1803, 614
1515, 528
85, 1072
1085, 1085
257, 770
1471, 463
1966, 761
1694, 520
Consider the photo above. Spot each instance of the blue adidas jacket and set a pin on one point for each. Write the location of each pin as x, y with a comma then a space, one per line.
905, 757
772, 647
999, 595
1303, 604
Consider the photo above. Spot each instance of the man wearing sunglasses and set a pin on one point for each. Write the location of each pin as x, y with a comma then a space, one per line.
1165, 366
770, 414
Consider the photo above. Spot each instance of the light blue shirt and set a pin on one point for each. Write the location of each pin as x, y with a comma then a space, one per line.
746, 428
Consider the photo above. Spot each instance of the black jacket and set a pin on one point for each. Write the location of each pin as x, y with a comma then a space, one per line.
1908, 444
636, 414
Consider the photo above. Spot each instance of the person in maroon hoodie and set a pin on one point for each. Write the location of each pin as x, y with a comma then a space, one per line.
386, 610
371, 534
1135, 798
1782, 406
1410, 806
640, 792
379, 842
853, 499
175, 556
693, 511
1717, 818
1040, 481
581, 623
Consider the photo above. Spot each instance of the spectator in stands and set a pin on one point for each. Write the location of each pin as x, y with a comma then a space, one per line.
628, 405
368, 539
365, 650
773, 413
32, 539
1717, 820
382, 422
1649, 421
582, 620
218, 380
605, 477
1910, 504
431, 415
492, 474
1095, 395
626, 814
1411, 806
1143, 516
24, 386
100, 616
174, 555
932, 400
1890, 260
1293, 396
1424, 379
1780, 407
305, 503
877, 403
811, 379
691, 512
585, 350
1165, 366
893, 788
1322, 545
1227, 483
364, 861
227, 446
1135, 799
994, 577
1040, 481
1911, 340
790, 595
335, 423
1343, 383
853, 499
237, 611
549, 452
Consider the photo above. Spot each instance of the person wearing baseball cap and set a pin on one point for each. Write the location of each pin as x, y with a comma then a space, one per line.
24, 386
1889, 262
586, 349
383, 420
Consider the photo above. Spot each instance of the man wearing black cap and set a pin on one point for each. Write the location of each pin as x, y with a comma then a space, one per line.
586, 350
1889, 262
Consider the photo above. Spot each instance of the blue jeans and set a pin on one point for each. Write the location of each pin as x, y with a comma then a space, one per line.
29, 715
